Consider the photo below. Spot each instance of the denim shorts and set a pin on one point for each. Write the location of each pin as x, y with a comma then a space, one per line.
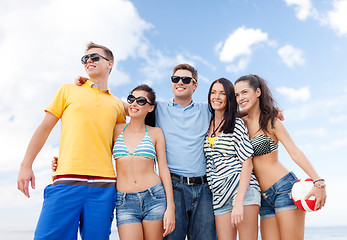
135, 207
252, 197
277, 198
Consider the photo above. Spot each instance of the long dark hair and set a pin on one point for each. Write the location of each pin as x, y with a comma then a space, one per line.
230, 108
150, 117
267, 103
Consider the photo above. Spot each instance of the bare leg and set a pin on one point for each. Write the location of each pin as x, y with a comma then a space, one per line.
225, 231
130, 231
248, 229
291, 224
269, 229
153, 230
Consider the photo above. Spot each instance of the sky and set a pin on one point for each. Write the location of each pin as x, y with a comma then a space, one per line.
298, 46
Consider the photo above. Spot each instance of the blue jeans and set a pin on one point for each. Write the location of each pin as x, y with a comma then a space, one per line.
193, 212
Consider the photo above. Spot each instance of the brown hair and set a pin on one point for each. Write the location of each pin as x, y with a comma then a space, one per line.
108, 52
150, 118
267, 104
186, 66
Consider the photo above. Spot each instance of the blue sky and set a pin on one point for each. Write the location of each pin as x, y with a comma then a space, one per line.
298, 46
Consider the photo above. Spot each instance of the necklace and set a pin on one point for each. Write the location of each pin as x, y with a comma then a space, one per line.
215, 130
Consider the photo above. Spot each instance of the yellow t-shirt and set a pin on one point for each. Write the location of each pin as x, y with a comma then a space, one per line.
88, 117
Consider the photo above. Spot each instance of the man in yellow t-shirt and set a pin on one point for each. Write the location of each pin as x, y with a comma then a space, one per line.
83, 192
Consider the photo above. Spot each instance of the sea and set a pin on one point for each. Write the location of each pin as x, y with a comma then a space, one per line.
311, 233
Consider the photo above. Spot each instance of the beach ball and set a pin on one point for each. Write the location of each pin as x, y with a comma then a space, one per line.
300, 189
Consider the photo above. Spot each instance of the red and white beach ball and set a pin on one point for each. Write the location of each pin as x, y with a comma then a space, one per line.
300, 189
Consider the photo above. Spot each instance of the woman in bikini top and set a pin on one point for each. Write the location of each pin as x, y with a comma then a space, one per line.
265, 131
138, 148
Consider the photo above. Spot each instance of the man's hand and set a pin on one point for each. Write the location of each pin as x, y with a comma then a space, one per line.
280, 115
25, 176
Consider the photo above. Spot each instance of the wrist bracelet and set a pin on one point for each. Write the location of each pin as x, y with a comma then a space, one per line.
320, 186
319, 179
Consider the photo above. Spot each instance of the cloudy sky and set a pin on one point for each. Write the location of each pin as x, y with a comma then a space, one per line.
298, 46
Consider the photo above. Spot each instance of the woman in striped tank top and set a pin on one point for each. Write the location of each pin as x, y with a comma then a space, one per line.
228, 152
279, 217
144, 206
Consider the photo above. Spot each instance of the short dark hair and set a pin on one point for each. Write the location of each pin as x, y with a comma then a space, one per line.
108, 52
230, 107
150, 118
186, 66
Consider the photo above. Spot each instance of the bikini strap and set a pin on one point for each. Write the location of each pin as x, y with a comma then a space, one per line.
125, 127
146, 128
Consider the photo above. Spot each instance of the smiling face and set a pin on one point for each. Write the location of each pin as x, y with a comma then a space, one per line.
181, 90
246, 96
136, 110
218, 98
101, 67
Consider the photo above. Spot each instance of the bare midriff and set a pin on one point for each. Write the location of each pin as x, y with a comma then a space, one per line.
135, 174
268, 169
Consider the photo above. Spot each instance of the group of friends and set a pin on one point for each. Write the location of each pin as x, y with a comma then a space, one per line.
183, 169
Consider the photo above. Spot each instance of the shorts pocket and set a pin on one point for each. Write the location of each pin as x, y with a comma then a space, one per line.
159, 194
120, 200
286, 187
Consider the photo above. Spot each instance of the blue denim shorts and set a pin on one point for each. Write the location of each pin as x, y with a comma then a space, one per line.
252, 197
135, 207
277, 198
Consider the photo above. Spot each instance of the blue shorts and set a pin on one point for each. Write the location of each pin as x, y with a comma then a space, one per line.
252, 197
277, 198
135, 207
67, 207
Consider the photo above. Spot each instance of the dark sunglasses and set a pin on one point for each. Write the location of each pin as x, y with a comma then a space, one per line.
139, 100
94, 57
185, 80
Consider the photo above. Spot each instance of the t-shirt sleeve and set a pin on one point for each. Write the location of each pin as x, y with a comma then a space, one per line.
243, 146
58, 103
121, 116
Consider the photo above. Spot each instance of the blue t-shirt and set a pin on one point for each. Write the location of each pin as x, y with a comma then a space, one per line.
184, 130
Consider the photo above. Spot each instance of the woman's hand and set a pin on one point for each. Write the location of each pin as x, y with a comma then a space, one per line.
54, 164
169, 221
237, 214
79, 81
320, 195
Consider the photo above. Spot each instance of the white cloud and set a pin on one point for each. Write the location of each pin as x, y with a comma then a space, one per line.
291, 56
337, 18
315, 132
43, 42
303, 8
240, 45
240, 66
301, 94
338, 119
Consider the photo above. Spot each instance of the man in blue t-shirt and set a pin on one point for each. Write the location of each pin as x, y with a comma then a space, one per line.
185, 124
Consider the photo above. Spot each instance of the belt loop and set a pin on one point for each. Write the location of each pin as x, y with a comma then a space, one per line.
181, 179
150, 192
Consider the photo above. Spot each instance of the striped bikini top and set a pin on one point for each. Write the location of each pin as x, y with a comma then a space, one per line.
144, 149
263, 144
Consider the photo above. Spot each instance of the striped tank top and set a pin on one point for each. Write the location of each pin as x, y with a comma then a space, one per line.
144, 149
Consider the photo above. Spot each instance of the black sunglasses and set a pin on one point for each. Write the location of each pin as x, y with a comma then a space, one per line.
94, 57
185, 80
139, 100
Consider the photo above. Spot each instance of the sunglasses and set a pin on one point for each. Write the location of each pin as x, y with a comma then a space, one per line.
94, 57
185, 80
139, 100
